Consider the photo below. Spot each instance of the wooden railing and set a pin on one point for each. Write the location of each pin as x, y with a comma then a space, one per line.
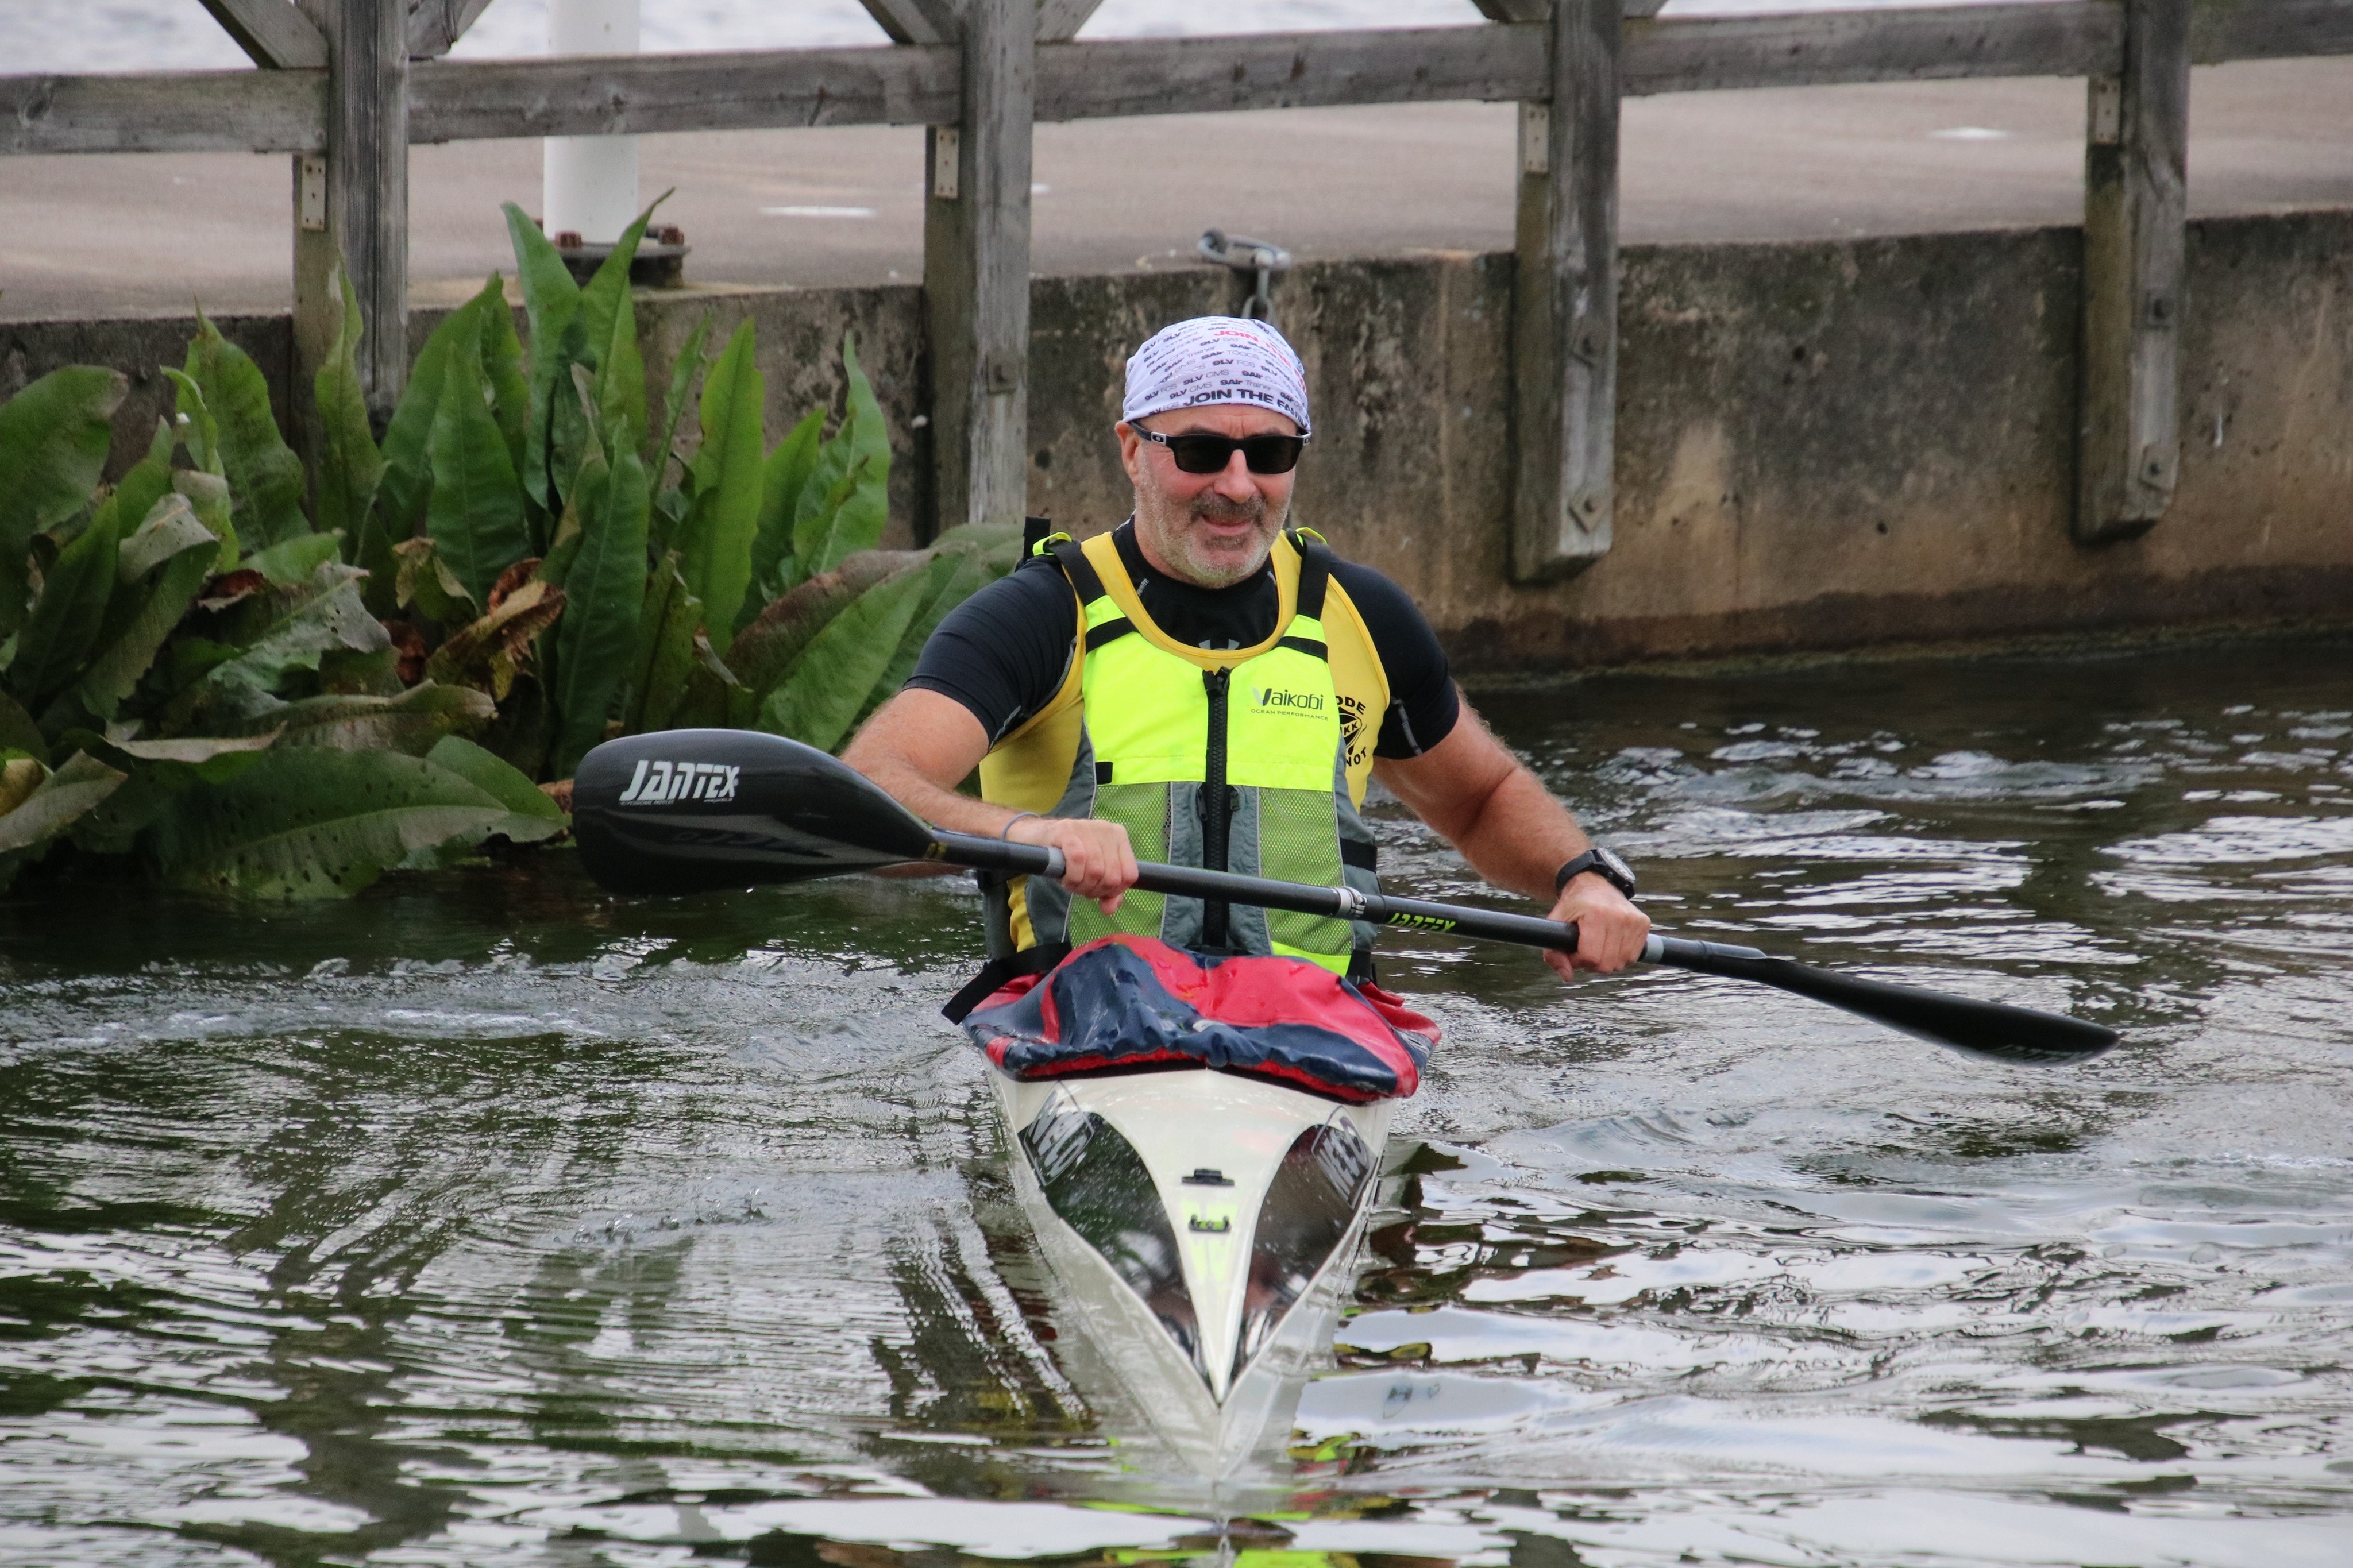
347, 86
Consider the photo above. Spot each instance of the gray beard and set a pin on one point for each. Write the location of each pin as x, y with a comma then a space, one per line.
1171, 541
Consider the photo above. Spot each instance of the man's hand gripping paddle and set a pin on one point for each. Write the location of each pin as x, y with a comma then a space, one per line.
686, 811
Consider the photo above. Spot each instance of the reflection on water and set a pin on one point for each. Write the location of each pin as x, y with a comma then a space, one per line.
486, 1220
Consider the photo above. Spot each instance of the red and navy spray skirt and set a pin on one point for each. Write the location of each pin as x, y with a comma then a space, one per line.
1129, 1002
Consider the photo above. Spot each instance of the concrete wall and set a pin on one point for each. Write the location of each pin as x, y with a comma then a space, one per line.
1822, 446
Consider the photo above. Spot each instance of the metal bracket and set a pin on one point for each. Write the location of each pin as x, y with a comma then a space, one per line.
1001, 375
2108, 127
945, 141
1535, 137
1247, 258
313, 193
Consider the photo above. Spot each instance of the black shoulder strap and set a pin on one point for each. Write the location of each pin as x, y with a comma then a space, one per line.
1078, 569
1314, 574
1089, 585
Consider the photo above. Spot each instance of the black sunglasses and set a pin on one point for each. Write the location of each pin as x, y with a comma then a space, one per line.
1210, 454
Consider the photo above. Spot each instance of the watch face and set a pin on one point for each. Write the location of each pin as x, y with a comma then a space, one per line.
1625, 873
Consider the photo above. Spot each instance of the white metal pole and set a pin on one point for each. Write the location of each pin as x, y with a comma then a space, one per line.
590, 182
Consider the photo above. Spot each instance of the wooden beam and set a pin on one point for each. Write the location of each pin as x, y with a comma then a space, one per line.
976, 274
367, 203
1538, 10
918, 85
1824, 48
460, 101
1060, 20
1564, 302
917, 21
272, 32
1288, 71
2275, 29
435, 26
2135, 209
165, 111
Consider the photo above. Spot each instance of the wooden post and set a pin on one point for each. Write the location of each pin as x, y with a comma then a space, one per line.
352, 202
2135, 171
976, 273
1564, 302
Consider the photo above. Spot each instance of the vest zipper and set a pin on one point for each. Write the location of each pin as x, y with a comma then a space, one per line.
1216, 819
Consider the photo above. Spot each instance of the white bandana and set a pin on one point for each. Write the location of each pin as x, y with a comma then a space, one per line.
1216, 359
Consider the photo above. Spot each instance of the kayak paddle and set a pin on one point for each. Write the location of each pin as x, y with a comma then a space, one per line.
685, 811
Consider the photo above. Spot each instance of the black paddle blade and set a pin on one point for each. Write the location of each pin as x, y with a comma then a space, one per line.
1989, 1029
691, 811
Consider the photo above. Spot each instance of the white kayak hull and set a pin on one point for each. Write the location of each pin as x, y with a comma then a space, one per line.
1204, 1225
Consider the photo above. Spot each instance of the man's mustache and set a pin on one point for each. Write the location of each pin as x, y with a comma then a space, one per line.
1211, 507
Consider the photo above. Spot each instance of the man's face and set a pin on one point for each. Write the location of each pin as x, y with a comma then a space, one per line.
1208, 530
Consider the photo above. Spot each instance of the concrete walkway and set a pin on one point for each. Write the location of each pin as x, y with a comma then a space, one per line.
104, 237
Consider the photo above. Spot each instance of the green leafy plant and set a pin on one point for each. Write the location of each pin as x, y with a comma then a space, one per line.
671, 541
186, 647
527, 559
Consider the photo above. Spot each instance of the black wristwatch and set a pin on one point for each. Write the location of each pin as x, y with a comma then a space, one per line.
1604, 864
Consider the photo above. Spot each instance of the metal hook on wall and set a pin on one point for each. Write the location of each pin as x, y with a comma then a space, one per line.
1253, 259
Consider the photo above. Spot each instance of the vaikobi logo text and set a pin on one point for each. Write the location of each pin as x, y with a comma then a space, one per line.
657, 783
1279, 701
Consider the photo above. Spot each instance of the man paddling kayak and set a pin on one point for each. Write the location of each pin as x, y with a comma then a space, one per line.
1208, 688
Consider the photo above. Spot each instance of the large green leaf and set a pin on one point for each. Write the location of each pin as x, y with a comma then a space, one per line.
951, 579
490, 774
294, 559
54, 437
503, 367
207, 497
475, 513
604, 592
66, 618
412, 722
148, 481
199, 431
159, 770
425, 582
716, 542
764, 650
18, 732
826, 687
408, 441
606, 297
608, 323
849, 519
264, 477
667, 622
75, 789
620, 384
351, 468
307, 822
160, 570
551, 303
781, 479
845, 503
682, 371
272, 634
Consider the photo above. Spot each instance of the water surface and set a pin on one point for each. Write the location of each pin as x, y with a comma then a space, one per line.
487, 1220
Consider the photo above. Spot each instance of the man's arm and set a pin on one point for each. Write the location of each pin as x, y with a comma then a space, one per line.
920, 745
1516, 835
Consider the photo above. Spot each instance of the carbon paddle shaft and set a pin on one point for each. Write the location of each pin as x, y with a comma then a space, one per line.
1226, 887
1991, 1029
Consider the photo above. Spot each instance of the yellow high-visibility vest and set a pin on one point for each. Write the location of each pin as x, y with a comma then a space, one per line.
1250, 759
